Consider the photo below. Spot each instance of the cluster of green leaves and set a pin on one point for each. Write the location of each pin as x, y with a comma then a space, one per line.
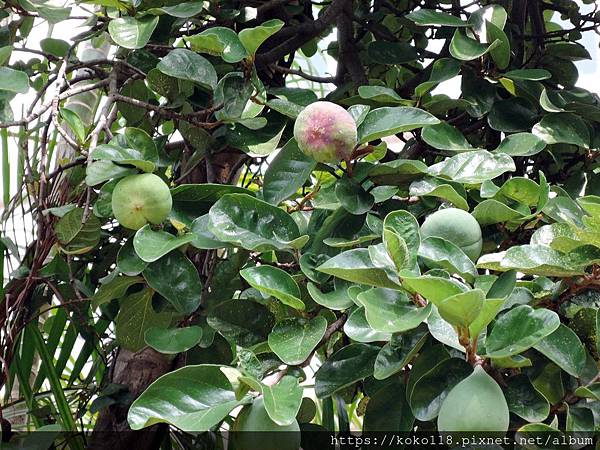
306, 271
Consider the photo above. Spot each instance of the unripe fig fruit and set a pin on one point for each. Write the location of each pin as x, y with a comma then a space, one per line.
326, 132
475, 404
254, 430
139, 199
456, 226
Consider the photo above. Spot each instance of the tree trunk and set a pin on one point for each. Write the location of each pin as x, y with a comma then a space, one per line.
136, 371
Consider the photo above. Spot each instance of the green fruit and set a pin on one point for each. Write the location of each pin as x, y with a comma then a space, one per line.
456, 226
267, 434
139, 199
326, 132
475, 404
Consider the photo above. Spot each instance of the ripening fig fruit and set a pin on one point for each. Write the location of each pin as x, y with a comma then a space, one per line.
326, 132
456, 226
475, 404
139, 199
254, 430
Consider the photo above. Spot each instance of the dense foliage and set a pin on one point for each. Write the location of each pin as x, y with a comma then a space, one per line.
180, 250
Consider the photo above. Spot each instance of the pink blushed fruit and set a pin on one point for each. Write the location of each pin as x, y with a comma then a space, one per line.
326, 132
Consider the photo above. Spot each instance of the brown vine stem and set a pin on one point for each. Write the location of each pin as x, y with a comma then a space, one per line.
95, 135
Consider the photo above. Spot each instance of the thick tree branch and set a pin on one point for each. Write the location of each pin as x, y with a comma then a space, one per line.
304, 33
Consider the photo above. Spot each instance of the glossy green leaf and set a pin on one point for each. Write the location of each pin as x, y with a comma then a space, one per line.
388, 410
542, 260
110, 152
405, 224
443, 69
253, 224
430, 391
564, 348
440, 253
589, 391
491, 211
337, 299
467, 407
442, 331
356, 266
440, 188
392, 311
219, 41
12, 80
286, 173
173, 340
175, 278
563, 128
489, 310
462, 309
380, 94
75, 235
6, 51
243, 321
519, 329
580, 420
511, 115
465, 48
212, 394
401, 239
116, 288
183, 10
385, 52
101, 171
428, 358
427, 17
500, 49
205, 192
152, 245
203, 238
136, 315
344, 368
128, 262
521, 144
293, 340
75, 124
433, 288
528, 74
252, 38
353, 197
524, 400
444, 136
359, 330
387, 121
187, 65
397, 250
275, 282
282, 400
473, 167
397, 353
132, 33
398, 172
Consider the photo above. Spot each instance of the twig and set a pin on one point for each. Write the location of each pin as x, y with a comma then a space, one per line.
169, 114
69, 93
300, 73
112, 80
